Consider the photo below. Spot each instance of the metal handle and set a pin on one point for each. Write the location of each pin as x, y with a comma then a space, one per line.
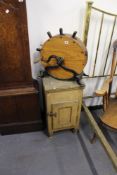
49, 34
51, 114
38, 49
61, 31
74, 34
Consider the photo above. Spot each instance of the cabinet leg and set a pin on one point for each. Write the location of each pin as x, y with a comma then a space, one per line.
50, 134
75, 130
93, 139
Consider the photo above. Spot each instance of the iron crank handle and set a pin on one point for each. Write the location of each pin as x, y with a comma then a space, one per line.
38, 49
61, 31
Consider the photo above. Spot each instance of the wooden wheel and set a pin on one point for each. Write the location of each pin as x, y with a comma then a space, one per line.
70, 49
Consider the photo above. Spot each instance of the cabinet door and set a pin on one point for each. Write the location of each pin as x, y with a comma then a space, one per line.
65, 115
8, 110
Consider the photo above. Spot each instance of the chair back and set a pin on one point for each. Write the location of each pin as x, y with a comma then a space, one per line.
99, 58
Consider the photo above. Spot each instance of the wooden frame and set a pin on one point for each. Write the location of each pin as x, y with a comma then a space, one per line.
112, 155
87, 20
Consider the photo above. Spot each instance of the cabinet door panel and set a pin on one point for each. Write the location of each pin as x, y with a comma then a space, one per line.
64, 114
8, 111
28, 108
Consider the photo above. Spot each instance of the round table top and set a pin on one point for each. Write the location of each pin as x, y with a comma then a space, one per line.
109, 118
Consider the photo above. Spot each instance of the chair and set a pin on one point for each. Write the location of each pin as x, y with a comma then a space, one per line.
109, 118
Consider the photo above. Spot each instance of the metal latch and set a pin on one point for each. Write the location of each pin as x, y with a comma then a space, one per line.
51, 114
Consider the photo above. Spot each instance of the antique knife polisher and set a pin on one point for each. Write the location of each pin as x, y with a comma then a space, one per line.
63, 56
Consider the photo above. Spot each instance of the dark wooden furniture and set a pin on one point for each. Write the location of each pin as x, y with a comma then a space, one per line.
19, 101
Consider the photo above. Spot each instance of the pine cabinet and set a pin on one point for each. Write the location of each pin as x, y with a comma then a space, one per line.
63, 104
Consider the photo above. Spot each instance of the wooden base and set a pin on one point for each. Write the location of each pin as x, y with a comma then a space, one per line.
21, 127
110, 116
19, 111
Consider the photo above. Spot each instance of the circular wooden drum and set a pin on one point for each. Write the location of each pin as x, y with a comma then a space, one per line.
63, 56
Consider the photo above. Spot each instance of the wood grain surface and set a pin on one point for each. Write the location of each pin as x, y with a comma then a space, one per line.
71, 50
15, 69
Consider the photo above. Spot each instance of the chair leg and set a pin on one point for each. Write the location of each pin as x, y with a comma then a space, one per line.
93, 139
105, 101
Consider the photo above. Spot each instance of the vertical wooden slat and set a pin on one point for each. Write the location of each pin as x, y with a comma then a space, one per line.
87, 21
102, 18
114, 64
110, 43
